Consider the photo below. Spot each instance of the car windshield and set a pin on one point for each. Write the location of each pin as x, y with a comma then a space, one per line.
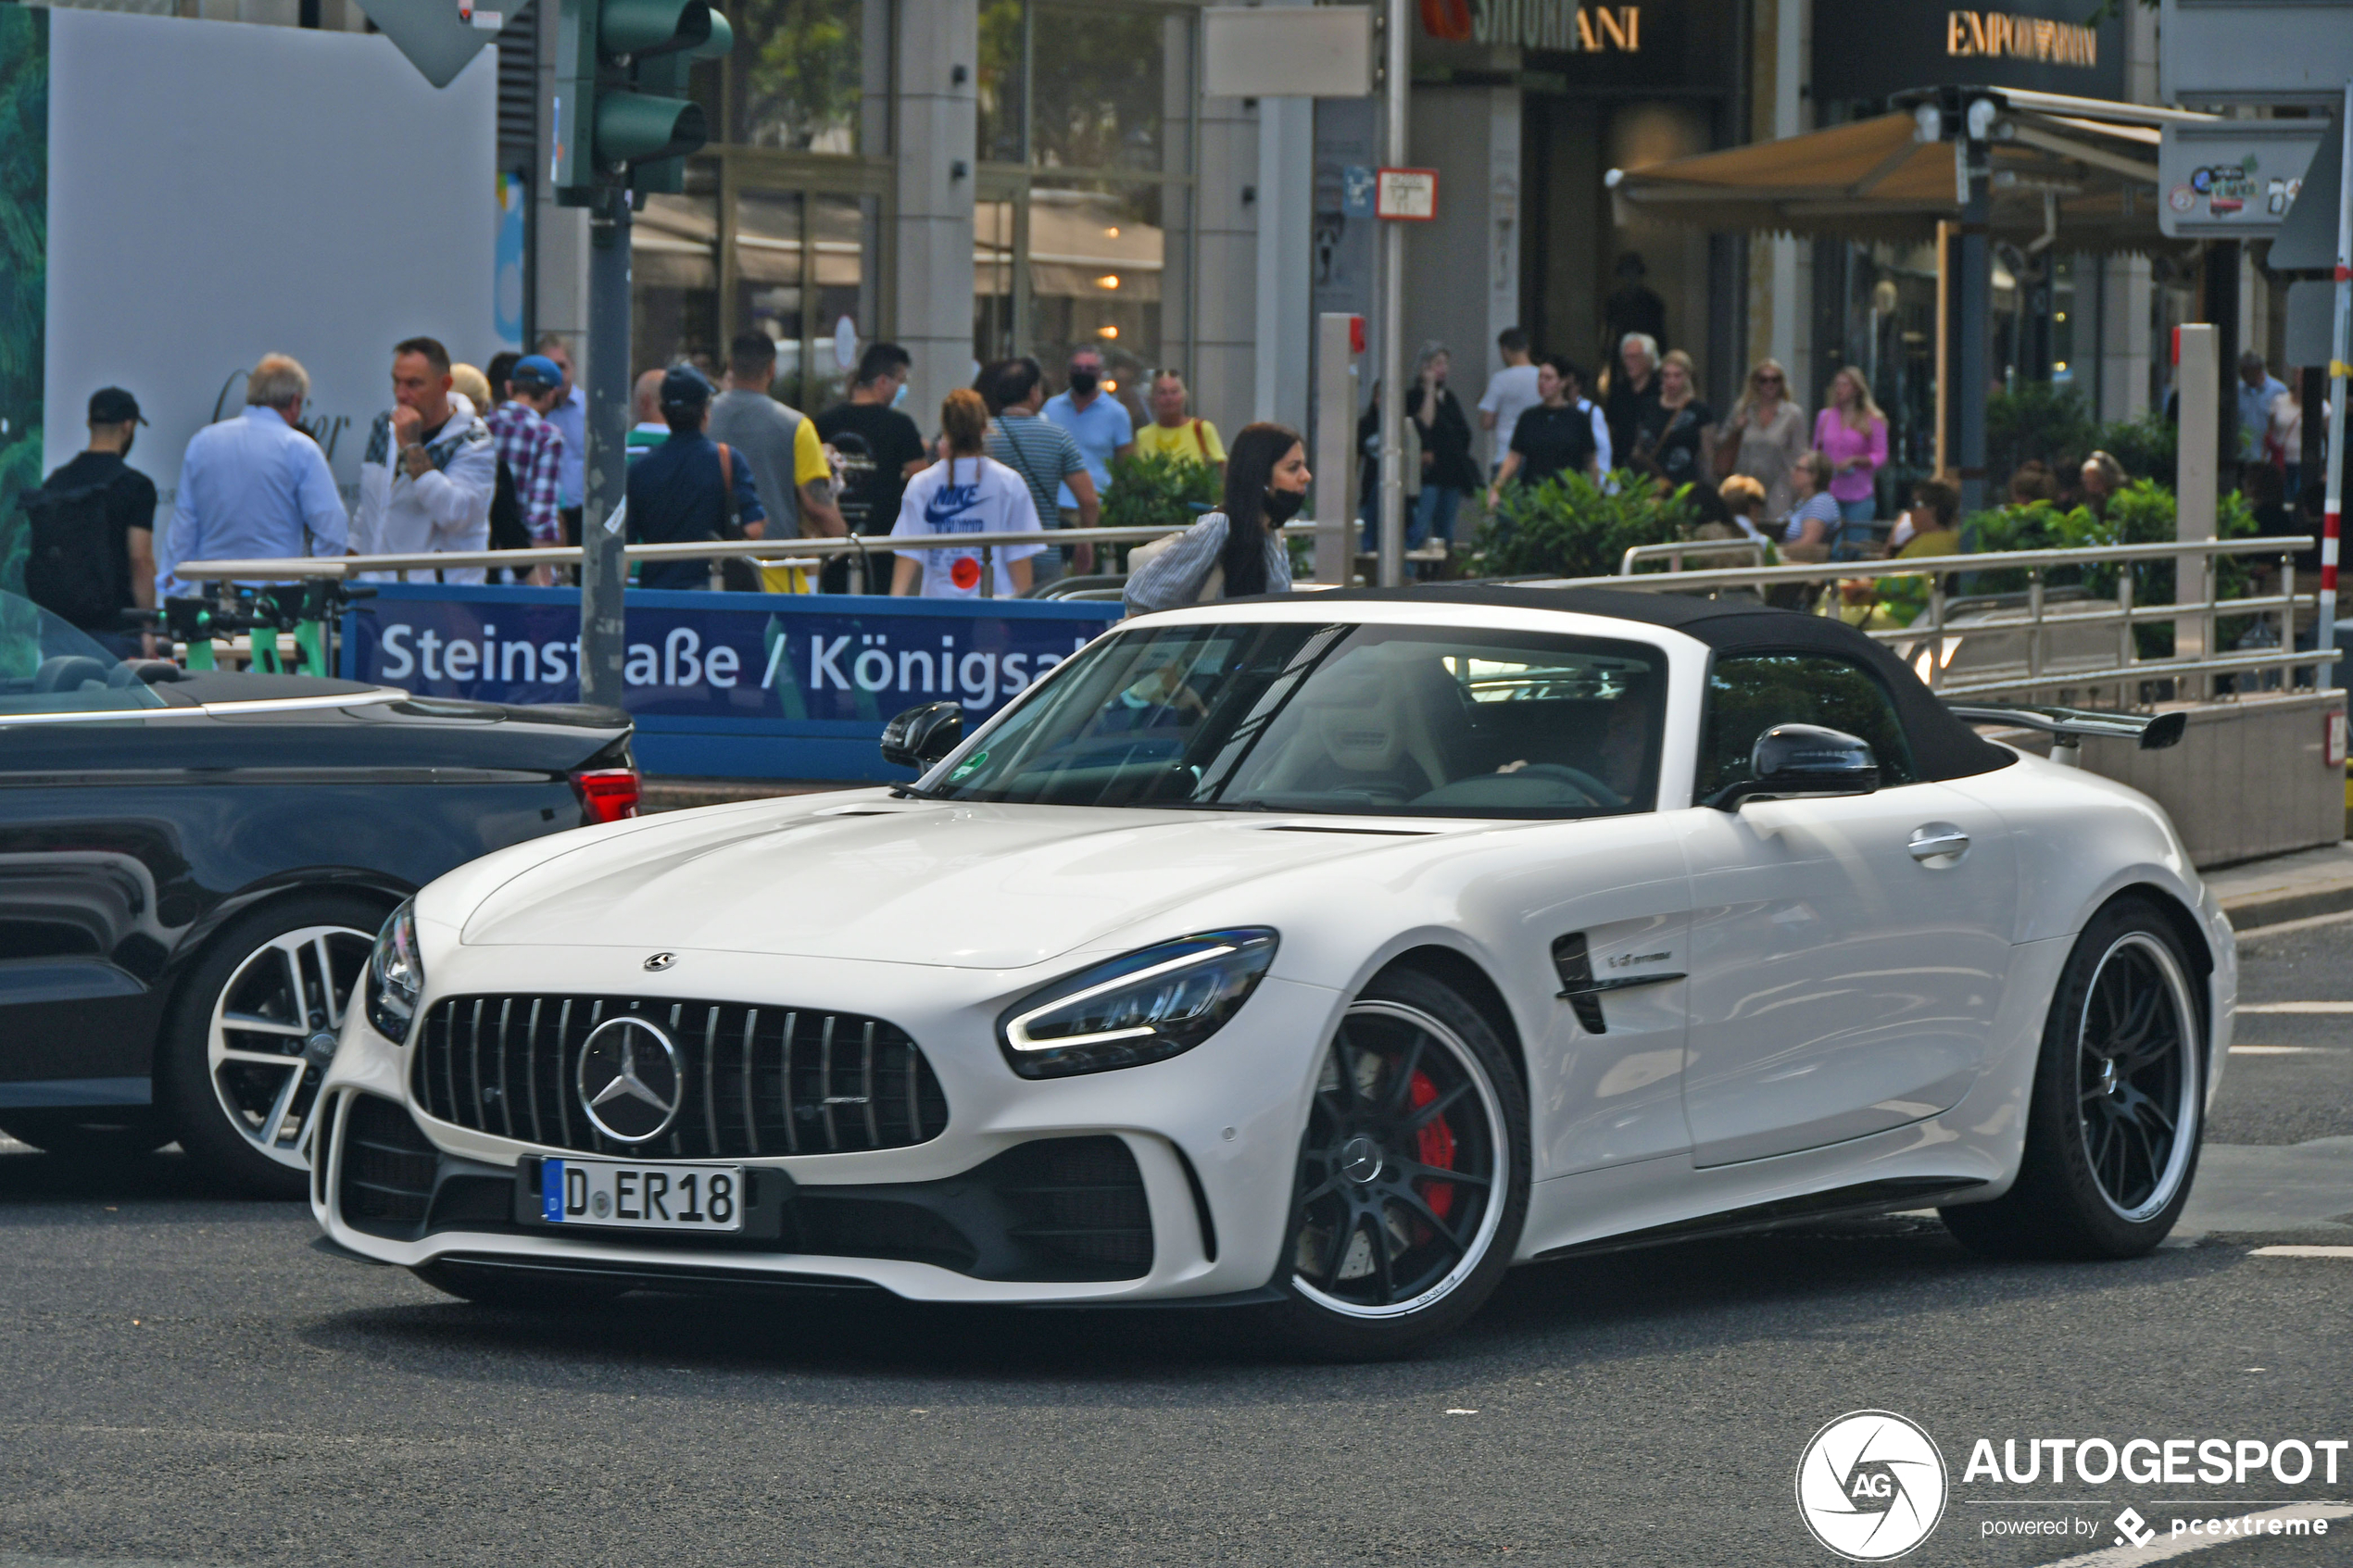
48, 666
1351, 719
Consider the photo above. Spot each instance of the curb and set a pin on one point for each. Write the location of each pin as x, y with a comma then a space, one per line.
2251, 914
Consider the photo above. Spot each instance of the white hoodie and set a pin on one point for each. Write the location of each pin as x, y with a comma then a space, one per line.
447, 509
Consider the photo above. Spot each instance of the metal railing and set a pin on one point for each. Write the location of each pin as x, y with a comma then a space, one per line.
398, 567
1931, 642
1675, 554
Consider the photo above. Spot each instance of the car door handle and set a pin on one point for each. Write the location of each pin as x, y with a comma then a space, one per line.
1938, 841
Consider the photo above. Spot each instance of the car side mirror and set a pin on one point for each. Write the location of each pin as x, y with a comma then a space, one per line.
1800, 762
922, 735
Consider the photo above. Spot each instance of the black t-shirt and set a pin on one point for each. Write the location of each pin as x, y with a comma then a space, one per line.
131, 503
1671, 437
876, 443
1554, 441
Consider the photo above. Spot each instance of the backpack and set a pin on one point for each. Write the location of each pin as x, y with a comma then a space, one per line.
66, 569
508, 531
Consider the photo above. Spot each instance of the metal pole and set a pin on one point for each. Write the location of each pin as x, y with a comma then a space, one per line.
1393, 321
1334, 438
602, 568
2340, 350
1973, 355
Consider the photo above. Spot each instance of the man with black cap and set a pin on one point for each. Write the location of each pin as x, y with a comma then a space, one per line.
688, 488
93, 532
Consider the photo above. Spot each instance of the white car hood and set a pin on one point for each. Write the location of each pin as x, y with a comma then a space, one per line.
990, 887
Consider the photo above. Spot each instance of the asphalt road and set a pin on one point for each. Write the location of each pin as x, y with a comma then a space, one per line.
187, 1382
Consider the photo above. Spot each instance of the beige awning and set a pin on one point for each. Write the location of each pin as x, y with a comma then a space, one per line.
2079, 172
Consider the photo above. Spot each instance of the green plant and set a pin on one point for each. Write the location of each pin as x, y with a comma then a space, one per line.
1153, 490
2036, 421
24, 246
2142, 513
1571, 526
2145, 448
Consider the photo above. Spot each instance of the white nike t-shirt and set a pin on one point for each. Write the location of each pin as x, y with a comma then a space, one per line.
966, 496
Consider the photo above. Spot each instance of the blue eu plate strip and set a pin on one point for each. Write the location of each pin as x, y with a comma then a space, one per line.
551, 1190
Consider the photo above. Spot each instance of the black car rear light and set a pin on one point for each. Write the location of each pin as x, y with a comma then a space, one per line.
607, 794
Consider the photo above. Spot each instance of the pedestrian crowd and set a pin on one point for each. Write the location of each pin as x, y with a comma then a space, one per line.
469, 460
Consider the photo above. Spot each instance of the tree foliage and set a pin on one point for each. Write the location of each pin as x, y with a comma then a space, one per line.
24, 268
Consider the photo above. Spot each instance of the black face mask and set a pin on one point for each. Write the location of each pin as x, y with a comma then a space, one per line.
1281, 505
1084, 382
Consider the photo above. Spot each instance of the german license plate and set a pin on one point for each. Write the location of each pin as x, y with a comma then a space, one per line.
641, 1196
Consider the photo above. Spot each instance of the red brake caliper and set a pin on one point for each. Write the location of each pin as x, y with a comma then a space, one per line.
1434, 1146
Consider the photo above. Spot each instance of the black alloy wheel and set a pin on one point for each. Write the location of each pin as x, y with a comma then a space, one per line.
2118, 1102
1412, 1182
248, 1041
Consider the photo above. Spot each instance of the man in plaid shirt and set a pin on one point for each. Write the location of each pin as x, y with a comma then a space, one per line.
530, 444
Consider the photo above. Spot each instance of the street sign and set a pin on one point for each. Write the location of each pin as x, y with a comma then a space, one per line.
1287, 51
439, 37
1410, 195
2234, 179
2254, 51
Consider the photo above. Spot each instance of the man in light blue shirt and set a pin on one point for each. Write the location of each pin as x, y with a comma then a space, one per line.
2256, 390
255, 487
1097, 423
570, 416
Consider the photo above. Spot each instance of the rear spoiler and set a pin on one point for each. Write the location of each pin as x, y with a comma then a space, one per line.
2068, 726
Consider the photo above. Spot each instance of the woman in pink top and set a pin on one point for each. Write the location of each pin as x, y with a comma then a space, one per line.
1852, 434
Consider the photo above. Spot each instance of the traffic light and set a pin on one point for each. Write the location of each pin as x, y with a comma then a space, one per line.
622, 119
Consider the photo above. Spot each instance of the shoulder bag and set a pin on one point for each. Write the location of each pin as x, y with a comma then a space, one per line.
739, 573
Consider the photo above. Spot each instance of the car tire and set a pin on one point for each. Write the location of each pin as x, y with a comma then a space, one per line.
522, 1290
247, 1041
92, 1136
1383, 1251
2118, 1102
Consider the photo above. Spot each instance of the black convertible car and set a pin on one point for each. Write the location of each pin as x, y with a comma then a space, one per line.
194, 865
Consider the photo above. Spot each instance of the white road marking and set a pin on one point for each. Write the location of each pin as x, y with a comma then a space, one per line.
2182, 1545
1462, 1412
2281, 928
2273, 1050
2302, 1252
2296, 1006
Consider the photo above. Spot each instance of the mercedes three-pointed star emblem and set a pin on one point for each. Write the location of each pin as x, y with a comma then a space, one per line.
631, 1080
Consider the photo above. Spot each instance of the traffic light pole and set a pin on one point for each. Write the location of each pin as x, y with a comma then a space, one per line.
602, 568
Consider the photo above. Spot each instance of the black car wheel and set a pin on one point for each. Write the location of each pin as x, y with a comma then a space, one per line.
2118, 1107
249, 1041
1413, 1175
89, 1134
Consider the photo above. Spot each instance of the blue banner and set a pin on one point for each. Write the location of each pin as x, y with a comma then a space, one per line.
751, 685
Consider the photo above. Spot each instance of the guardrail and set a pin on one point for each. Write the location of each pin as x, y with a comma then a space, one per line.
398, 567
1931, 645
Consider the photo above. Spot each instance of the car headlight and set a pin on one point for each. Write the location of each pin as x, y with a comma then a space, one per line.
1147, 1006
396, 976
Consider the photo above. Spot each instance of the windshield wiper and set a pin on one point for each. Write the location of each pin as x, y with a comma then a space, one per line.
909, 792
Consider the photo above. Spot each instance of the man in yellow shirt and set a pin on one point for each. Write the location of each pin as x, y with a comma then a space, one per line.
787, 460
1171, 434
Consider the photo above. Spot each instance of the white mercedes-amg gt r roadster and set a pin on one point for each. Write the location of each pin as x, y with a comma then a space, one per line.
1330, 953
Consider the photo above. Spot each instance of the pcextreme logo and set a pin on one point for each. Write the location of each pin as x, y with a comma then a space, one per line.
1871, 1486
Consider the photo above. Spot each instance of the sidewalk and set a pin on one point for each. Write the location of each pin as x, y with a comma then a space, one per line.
2287, 888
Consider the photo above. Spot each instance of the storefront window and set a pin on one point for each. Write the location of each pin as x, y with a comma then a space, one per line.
1102, 90
1098, 85
769, 295
800, 77
673, 280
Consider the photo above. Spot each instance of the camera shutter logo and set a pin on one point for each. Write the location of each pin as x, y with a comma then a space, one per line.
1871, 1486
631, 1081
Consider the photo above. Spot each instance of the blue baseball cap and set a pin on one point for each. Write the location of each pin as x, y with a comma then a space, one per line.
535, 371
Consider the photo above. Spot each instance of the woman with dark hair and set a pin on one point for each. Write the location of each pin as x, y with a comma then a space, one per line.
1238, 550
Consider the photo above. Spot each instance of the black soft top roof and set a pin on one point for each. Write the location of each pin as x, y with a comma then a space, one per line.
1943, 747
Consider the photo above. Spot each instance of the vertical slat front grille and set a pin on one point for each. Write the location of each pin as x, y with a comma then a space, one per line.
388, 1169
751, 1080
